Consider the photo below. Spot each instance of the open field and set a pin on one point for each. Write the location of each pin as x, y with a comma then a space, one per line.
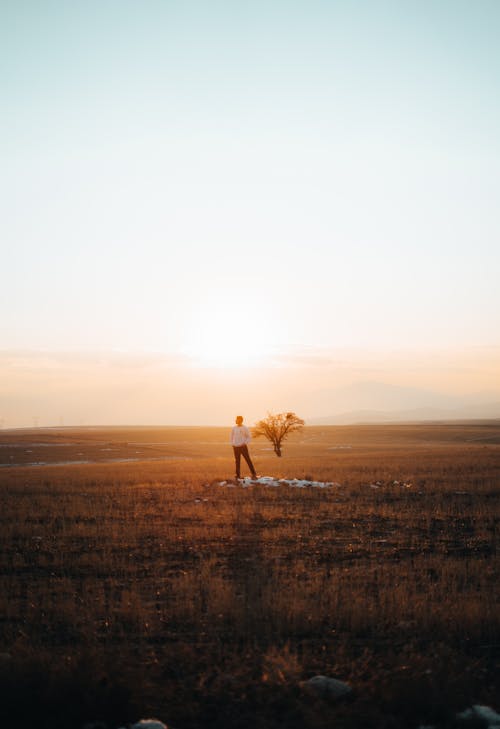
132, 584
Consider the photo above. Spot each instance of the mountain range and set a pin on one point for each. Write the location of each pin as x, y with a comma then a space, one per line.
371, 402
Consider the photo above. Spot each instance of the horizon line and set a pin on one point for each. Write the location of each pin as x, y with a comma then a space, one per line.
109, 426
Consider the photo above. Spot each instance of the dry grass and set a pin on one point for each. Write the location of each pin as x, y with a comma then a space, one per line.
142, 587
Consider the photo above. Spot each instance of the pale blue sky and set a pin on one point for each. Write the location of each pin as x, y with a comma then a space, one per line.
326, 171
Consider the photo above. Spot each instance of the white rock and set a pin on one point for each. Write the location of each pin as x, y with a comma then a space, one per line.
274, 482
483, 713
296, 483
149, 724
328, 687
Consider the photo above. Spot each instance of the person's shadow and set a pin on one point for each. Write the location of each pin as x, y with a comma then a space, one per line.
250, 572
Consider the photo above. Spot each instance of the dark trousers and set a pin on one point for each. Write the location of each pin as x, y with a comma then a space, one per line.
242, 451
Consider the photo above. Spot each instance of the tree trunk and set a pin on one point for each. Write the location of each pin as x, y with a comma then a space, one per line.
277, 450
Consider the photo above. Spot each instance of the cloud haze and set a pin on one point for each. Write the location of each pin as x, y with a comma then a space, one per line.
71, 388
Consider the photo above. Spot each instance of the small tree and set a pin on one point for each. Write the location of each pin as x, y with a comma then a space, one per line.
277, 427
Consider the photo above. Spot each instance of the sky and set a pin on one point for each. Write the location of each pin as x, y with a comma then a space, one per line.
242, 196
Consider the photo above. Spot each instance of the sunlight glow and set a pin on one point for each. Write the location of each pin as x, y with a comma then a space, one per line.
228, 336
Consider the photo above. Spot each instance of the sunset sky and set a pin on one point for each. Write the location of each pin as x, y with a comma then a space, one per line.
225, 206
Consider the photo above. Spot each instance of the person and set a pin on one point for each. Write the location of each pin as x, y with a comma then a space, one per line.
240, 437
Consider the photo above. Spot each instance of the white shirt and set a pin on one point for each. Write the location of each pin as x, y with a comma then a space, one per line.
240, 435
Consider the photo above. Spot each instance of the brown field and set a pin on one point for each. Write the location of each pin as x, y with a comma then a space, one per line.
132, 585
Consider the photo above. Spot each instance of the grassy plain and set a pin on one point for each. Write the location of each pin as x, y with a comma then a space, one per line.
140, 586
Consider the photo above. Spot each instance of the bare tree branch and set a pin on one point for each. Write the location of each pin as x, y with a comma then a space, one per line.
277, 427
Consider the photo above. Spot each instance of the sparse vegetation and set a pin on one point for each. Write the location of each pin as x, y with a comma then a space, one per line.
133, 589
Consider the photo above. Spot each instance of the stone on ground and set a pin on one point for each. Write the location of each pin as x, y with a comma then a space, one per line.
327, 687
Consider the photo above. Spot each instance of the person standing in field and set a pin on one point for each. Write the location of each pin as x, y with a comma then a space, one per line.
240, 437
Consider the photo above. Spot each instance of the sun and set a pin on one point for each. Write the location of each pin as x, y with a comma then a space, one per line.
223, 338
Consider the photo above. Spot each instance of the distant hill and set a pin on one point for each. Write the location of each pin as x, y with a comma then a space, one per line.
376, 402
